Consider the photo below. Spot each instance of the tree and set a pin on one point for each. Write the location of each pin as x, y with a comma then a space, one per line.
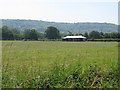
31, 34
52, 33
0, 33
16, 33
78, 34
7, 33
107, 35
101, 34
86, 35
70, 33
114, 35
94, 34
20, 36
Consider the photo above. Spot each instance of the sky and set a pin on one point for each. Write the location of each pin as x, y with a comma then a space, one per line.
71, 11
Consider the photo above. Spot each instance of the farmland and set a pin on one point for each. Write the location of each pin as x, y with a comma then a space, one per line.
56, 64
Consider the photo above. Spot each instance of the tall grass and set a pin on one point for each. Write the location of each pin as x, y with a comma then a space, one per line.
47, 64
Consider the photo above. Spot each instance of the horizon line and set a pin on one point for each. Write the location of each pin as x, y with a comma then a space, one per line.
62, 22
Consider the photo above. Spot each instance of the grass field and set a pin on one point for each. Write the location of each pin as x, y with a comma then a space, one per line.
43, 64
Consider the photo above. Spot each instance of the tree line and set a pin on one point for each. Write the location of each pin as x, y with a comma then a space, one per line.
50, 33
29, 34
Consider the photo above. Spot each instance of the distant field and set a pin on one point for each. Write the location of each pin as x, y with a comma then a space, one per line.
41, 64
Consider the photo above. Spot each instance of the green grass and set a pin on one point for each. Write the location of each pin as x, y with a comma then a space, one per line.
41, 64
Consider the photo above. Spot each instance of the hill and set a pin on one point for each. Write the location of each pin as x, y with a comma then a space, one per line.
63, 27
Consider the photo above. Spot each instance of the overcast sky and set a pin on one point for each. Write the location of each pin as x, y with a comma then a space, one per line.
61, 10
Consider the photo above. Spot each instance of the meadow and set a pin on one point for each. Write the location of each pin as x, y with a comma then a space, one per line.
56, 64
